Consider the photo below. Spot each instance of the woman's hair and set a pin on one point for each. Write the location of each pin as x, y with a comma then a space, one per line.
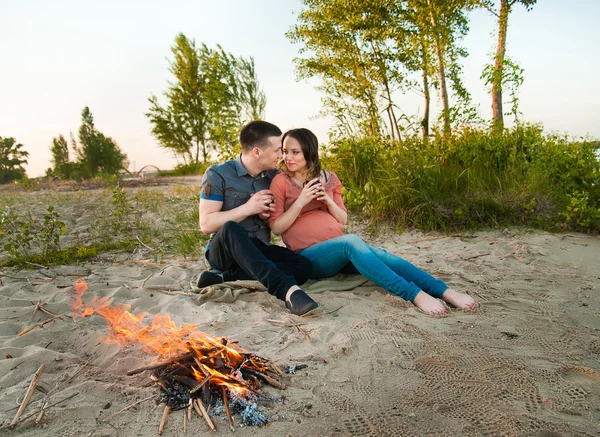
310, 149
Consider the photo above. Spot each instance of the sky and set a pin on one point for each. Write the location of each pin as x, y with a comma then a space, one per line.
59, 56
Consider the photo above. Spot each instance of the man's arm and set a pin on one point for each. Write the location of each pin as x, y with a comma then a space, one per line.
212, 218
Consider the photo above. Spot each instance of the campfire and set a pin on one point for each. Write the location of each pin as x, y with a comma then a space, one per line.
193, 370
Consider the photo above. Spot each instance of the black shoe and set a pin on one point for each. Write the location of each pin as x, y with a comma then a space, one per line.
300, 303
209, 277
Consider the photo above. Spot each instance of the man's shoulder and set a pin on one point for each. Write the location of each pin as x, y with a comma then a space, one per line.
223, 167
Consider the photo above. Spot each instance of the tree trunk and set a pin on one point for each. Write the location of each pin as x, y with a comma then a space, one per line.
426, 94
425, 121
441, 72
498, 72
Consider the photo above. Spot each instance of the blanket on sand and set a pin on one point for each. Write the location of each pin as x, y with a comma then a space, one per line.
230, 291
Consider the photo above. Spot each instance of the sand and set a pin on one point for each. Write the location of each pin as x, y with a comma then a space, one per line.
527, 362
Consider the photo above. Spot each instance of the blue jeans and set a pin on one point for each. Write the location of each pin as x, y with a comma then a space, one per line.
391, 272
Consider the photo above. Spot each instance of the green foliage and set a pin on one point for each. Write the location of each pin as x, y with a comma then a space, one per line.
213, 94
366, 50
96, 152
579, 214
70, 255
121, 207
187, 169
20, 231
474, 179
12, 158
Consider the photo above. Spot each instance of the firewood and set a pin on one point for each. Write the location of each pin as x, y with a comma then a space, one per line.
227, 410
185, 421
163, 421
189, 410
160, 364
28, 394
199, 386
267, 379
199, 407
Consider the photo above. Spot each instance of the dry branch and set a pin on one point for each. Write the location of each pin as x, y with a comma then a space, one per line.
200, 406
227, 410
28, 394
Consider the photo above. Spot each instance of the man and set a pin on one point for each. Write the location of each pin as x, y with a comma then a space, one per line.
234, 202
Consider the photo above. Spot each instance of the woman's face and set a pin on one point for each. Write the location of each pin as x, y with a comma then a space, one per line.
293, 155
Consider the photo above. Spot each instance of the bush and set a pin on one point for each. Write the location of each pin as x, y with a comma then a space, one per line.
186, 169
474, 179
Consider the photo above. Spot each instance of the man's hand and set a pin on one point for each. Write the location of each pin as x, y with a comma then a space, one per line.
261, 203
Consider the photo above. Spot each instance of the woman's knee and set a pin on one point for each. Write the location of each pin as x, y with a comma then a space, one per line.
354, 241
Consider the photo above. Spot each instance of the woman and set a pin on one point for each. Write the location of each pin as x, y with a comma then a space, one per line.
310, 215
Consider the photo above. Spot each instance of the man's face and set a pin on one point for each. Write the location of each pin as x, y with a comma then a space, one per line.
271, 155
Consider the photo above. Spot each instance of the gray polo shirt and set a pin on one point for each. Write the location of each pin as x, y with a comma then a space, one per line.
231, 184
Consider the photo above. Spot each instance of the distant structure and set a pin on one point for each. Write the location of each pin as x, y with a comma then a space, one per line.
145, 171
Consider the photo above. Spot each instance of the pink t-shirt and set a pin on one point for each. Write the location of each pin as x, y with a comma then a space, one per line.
314, 223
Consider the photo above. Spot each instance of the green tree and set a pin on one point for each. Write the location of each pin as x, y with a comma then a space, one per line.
252, 95
342, 49
503, 69
212, 95
96, 152
12, 158
60, 157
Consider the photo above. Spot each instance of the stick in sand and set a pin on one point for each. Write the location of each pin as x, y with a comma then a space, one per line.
106, 419
300, 329
38, 419
28, 394
161, 426
185, 421
226, 402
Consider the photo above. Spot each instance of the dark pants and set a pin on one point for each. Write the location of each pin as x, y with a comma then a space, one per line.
239, 256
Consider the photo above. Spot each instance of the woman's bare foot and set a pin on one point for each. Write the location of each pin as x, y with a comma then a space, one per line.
459, 300
429, 304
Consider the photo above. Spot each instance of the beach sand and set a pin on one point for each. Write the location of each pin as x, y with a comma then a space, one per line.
527, 362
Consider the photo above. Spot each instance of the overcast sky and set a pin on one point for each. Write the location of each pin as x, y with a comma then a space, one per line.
58, 56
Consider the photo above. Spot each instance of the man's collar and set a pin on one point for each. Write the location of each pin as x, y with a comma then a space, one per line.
241, 170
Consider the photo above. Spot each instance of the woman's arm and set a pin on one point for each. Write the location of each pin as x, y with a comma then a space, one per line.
334, 209
283, 222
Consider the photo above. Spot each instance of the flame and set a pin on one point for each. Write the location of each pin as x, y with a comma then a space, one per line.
162, 337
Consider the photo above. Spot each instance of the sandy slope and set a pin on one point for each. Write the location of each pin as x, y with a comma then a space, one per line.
527, 363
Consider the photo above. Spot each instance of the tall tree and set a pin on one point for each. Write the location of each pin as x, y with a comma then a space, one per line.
442, 25
213, 93
60, 157
252, 95
12, 158
97, 152
498, 72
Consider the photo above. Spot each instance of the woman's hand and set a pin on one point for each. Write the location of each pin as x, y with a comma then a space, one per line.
309, 193
323, 196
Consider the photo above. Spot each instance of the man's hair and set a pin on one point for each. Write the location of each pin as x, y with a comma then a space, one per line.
310, 149
256, 133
